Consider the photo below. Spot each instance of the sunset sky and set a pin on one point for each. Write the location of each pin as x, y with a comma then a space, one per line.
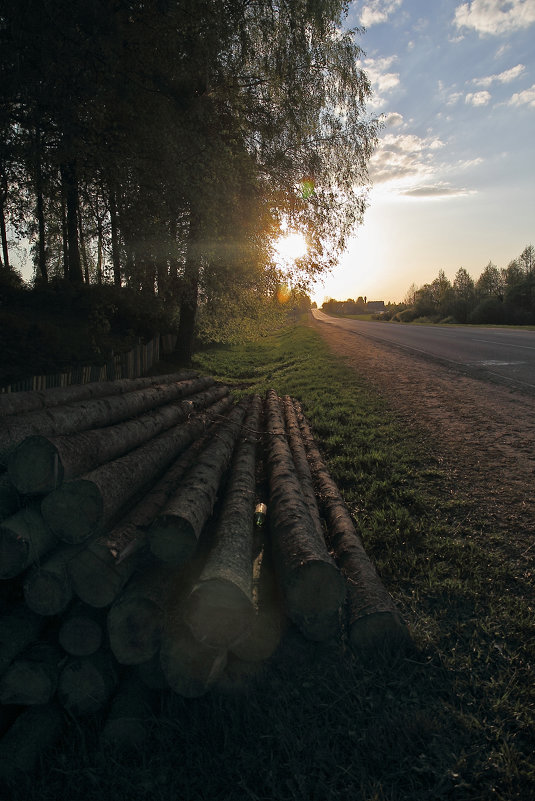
453, 175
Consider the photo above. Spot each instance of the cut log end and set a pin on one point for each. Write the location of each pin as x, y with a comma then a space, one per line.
379, 633
80, 636
47, 593
172, 540
218, 613
74, 511
14, 553
190, 667
34, 466
314, 596
135, 630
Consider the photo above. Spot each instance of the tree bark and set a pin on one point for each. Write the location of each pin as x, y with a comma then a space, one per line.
31, 401
87, 683
102, 569
32, 677
35, 730
174, 534
41, 464
374, 621
115, 253
9, 498
25, 538
219, 610
90, 504
312, 587
88, 414
70, 182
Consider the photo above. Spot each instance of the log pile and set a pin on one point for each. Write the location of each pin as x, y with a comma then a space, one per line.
132, 560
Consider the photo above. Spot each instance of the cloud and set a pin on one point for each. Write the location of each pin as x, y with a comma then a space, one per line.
381, 79
393, 120
478, 98
525, 98
438, 190
495, 17
503, 77
402, 157
376, 11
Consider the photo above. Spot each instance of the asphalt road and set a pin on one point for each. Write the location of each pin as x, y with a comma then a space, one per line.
493, 353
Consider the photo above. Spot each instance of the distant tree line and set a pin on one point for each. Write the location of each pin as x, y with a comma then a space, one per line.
499, 296
344, 307
163, 145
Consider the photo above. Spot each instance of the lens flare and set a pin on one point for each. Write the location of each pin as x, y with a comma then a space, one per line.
291, 246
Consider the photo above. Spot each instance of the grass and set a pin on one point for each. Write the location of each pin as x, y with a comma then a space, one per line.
452, 719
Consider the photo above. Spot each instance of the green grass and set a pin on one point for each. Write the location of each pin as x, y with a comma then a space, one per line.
452, 719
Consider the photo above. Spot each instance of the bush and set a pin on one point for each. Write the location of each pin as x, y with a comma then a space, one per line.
489, 310
405, 316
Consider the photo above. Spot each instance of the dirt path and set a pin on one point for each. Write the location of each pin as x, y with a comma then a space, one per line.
481, 434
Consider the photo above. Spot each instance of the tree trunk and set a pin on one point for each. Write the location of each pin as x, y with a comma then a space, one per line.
41, 464
190, 294
88, 505
220, 610
83, 250
135, 621
88, 414
87, 683
23, 402
3, 235
70, 180
39, 208
115, 253
312, 587
374, 620
18, 629
82, 630
25, 538
174, 534
102, 569
35, 730
48, 586
64, 233
32, 678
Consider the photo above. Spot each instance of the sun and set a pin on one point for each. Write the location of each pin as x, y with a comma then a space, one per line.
291, 246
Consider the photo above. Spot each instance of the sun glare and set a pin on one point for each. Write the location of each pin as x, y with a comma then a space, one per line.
291, 246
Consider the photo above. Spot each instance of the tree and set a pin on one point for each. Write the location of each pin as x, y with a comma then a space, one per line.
490, 283
464, 294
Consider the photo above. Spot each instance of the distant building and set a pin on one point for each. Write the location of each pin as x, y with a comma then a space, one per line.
375, 306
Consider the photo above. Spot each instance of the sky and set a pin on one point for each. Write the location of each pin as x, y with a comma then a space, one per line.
453, 176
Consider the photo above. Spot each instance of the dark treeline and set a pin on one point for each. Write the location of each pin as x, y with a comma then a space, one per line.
499, 296
163, 145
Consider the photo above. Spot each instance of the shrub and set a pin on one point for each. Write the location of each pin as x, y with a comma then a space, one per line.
405, 316
489, 310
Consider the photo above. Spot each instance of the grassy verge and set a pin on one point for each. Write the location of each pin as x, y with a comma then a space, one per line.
453, 719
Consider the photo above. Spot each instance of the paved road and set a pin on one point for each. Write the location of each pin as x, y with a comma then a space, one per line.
507, 355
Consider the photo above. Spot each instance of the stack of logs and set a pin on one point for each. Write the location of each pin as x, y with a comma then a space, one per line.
132, 559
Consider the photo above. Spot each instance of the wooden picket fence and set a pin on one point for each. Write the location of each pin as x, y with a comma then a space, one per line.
130, 364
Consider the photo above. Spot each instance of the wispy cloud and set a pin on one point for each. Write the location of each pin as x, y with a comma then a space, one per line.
495, 17
525, 98
375, 11
404, 157
438, 190
503, 77
478, 98
382, 79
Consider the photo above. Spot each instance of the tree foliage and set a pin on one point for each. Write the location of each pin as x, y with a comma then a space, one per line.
164, 144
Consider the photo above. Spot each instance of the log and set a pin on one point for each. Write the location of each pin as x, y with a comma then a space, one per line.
90, 504
135, 621
82, 630
86, 683
102, 569
48, 587
191, 668
262, 639
87, 414
41, 464
219, 609
304, 475
32, 677
128, 721
9, 498
35, 730
151, 673
174, 534
312, 587
30, 401
18, 630
374, 621
25, 538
